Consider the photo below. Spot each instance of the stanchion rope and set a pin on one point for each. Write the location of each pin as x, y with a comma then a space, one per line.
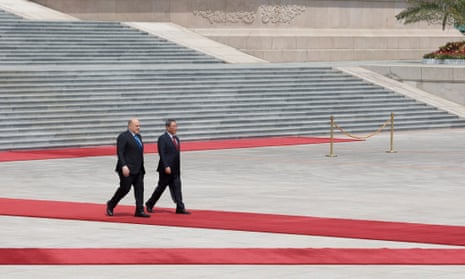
362, 137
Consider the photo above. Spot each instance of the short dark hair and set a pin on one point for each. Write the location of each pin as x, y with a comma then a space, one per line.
168, 122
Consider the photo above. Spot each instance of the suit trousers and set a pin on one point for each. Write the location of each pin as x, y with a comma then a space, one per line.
174, 184
137, 180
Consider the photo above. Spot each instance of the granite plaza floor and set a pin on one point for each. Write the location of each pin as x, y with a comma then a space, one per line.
424, 182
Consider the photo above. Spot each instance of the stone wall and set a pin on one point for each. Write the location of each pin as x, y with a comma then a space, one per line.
360, 14
279, 30
445, 81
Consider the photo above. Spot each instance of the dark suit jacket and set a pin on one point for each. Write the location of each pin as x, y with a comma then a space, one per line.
129, 153
169, 155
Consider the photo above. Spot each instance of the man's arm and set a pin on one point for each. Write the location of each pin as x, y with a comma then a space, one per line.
121, 143
163, 153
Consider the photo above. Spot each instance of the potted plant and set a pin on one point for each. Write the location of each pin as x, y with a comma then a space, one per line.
446, 13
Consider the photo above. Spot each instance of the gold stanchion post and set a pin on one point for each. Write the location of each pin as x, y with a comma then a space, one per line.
331, 142
391, 145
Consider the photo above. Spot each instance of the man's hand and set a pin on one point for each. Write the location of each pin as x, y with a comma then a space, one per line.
125, 171
168, 170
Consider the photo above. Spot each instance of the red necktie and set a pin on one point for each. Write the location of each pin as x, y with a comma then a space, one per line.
175, 142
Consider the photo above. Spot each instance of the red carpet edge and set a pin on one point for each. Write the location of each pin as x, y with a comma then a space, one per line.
61, 153
241, 221
243, 256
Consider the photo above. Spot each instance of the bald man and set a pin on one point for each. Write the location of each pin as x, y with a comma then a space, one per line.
130, 168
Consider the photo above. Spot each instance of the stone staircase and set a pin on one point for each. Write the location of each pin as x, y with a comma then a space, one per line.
76, 83
24, 42
69, 107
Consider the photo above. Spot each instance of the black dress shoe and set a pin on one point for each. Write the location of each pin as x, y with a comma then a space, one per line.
141, 214
182, 211
109, 209
148, 207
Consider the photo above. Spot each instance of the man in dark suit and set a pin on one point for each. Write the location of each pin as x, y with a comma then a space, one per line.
130, 168
169, 168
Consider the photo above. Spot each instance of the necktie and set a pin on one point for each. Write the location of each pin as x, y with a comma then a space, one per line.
175, 142
138, 141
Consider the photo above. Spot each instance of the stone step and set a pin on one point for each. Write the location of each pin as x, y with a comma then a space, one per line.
42, 81
53, 77
19, 120
37, 77
231, 102
31, 25
99, 141
169, 91
160, 83
218, 123
34, 30
89, 48
123, 113
104, 57
73, 34
38, 49
63, 34
62, 24
81, 40
162, 101
108, 136
110, 58
178, 72
106, 62
21, 31
50, 98
103, 53
331, 107
108, 129
77, 40
4, 17
152, 92
198, 85
97, 51
177, 77
193, 81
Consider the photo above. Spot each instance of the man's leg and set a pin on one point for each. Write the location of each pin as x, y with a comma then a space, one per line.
163, 181
175, 188
138, 182
122, 191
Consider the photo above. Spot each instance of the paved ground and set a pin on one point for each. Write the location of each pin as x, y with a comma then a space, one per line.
423, 182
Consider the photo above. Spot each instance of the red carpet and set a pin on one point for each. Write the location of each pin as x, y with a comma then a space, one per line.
254, 222
44, 154
209, 256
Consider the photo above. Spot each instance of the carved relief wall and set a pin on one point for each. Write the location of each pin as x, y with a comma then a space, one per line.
224, 17
265, 13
